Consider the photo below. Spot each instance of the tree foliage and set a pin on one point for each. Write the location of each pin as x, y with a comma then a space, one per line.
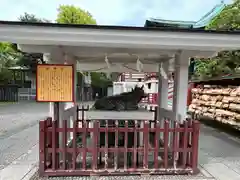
30, 60
10, 55
228, 19
69, 14
8, 58
26, 17
226, 61
100, 79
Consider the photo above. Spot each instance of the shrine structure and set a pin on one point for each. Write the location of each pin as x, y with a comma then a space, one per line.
163, 143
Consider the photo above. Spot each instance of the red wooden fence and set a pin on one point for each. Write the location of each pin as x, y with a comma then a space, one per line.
116, 148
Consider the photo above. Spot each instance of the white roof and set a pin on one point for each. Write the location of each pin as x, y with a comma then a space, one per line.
92, 46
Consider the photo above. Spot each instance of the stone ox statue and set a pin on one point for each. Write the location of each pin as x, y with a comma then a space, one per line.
120, 102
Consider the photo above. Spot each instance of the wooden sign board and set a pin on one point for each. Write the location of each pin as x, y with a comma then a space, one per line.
55, 83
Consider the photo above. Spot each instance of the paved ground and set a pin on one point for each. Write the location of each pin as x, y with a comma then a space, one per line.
16, 117
18, 130
219, 153
219, 159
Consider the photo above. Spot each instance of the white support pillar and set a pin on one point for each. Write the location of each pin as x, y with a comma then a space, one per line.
70, 60
180, 86
162, 88
51, 110
162, 92
58, 57
74, 117
48, 58
54, 59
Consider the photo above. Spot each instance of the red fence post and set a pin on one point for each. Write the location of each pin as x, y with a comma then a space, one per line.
157, 135
106, 145
189, 141
146, 141
64, 143
49, 139
175, 143
55, 141
48, 142
166, 139
96, 135
195, 141
74, 155
134, 145
125, 144
183, 143
84, 141
42, 143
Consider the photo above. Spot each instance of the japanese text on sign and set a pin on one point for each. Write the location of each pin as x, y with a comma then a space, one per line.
55, 83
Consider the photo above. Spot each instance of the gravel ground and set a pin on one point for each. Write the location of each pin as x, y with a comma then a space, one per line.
200, 176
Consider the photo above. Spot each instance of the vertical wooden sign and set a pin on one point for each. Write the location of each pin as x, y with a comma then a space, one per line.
55, 83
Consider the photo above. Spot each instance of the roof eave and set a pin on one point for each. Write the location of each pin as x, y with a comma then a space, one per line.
118, 37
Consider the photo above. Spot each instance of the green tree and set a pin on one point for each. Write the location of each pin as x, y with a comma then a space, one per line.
226, 61
100, 79
228, 19
69, 14
26, 17
8, 58
30, 60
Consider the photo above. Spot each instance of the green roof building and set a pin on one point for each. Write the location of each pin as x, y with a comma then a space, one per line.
200, 24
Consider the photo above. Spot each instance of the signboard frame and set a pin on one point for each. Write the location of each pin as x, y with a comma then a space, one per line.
73, 80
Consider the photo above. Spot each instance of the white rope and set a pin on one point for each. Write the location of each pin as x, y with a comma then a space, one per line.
163, 73
107, 62
108, 74
139, 65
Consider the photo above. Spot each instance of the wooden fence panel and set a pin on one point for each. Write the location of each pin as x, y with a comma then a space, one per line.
115, 148
8, 93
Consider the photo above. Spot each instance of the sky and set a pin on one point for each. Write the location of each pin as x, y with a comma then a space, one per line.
113, 12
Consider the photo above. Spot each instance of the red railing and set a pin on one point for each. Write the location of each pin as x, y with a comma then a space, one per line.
118, 147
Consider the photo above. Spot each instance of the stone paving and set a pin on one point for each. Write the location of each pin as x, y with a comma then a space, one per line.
219, 153
197, 177
17, 117
19, 129
219, 159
